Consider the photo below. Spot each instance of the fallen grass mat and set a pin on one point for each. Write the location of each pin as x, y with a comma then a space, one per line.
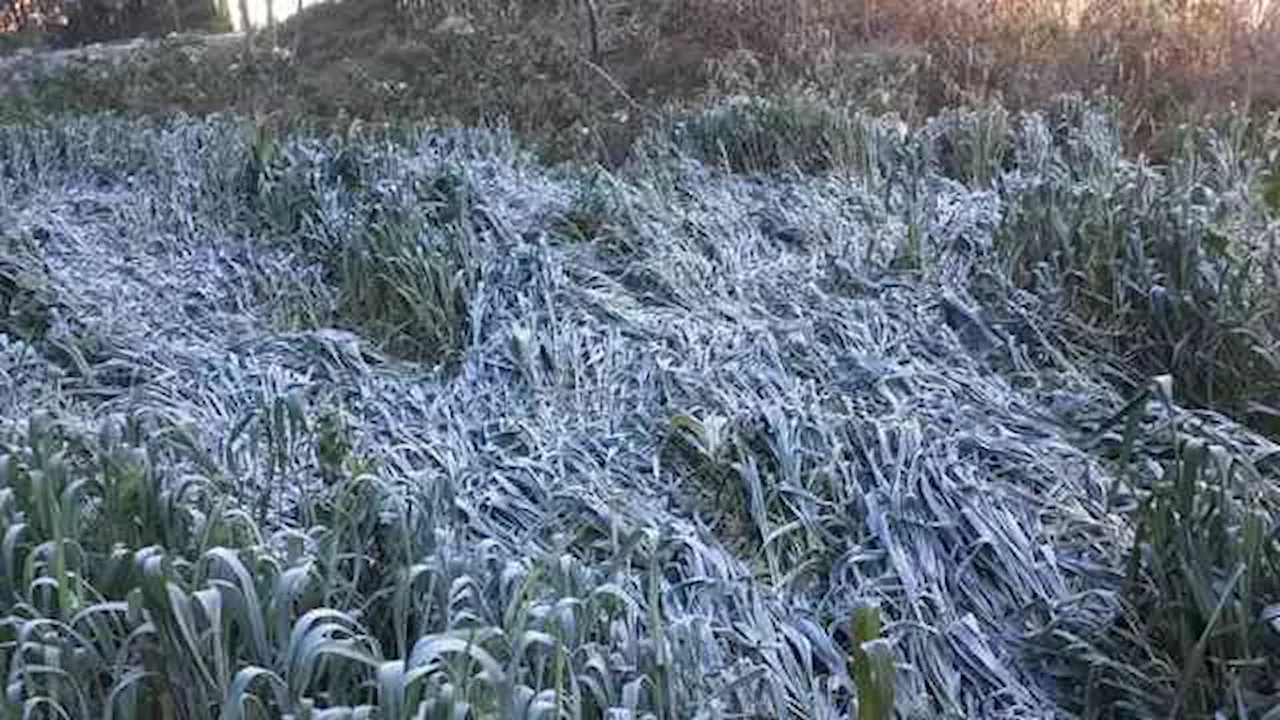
676, 442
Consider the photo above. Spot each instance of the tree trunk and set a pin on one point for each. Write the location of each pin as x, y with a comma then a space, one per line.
246, 25
271, 23
176, 14
593, 27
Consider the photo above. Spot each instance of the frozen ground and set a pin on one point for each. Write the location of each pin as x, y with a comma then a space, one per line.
720, 380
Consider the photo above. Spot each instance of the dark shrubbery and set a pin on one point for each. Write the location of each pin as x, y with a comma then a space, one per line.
70, 23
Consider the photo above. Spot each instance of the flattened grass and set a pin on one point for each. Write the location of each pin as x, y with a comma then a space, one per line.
694, 425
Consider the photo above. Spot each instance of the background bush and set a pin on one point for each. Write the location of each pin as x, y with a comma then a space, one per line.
76, 22
585, 78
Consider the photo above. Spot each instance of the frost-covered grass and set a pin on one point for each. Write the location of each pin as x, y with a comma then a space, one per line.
351, 427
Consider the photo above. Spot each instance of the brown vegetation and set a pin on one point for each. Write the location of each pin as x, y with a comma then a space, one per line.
1168, 61
581, 74
75, 22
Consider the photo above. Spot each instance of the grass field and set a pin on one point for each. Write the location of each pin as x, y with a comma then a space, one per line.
773, 405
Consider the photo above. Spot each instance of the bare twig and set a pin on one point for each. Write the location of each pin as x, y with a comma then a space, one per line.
613, 83
593, 27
